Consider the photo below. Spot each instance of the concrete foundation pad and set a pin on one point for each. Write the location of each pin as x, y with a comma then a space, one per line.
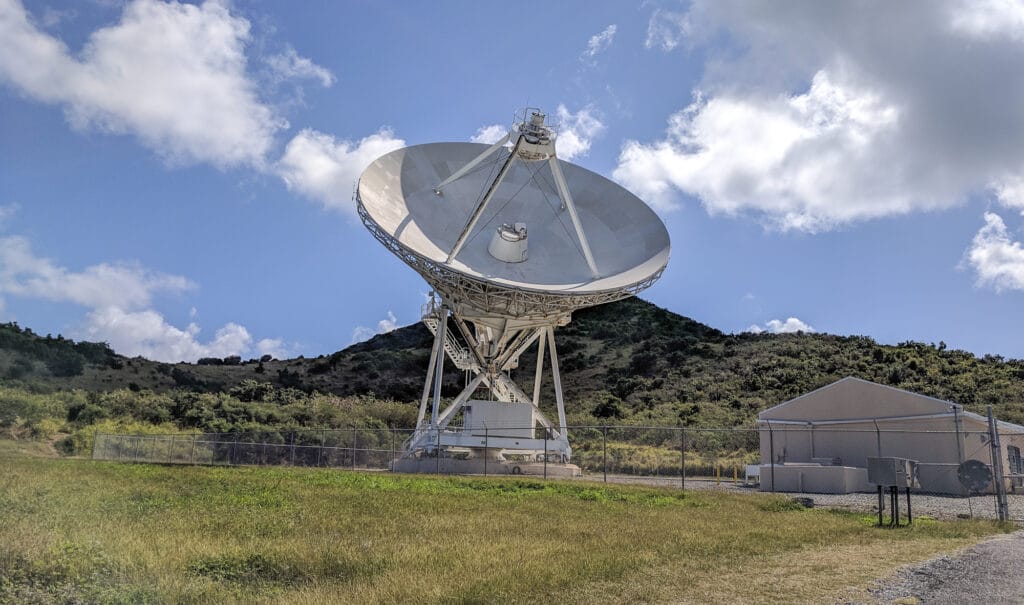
475, 466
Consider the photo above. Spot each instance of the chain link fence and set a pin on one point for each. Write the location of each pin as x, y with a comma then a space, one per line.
826, 466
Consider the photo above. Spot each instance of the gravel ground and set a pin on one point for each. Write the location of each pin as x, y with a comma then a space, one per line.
936, 507
984, 573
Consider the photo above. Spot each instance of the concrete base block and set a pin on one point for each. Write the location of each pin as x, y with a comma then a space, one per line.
475, 466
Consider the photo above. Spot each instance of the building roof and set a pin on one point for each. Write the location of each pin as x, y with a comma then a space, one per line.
853, 399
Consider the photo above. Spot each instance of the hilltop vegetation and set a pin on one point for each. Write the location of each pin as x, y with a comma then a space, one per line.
628, 362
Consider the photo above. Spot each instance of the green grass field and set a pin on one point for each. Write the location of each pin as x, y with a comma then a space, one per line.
82, 531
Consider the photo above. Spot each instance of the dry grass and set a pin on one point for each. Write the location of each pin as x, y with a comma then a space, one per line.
74, 529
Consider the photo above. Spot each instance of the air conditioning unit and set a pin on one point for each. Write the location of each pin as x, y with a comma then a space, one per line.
887, 472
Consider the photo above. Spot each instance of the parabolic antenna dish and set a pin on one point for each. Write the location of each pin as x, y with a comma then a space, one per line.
399, 201
513, 240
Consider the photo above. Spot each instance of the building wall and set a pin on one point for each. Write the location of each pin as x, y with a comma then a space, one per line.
938, 444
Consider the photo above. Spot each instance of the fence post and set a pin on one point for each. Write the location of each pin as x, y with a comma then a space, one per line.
997, 466
95, 438
394, 453
486, 446
771, 452
293, 448
682, 458
320, 452
355, 438
437, 453
604, 447
234, 451
170, 448
192, 456
546, 430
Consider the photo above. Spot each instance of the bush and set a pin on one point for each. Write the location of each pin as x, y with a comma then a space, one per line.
46, 428
66, 364
18, 407
80, 441
609, 407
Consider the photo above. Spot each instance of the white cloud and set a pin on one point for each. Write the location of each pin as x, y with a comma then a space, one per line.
384, 326
489, 134
173, 75
576, 131
815, 118
1010, 191
274, 347
785, 159
148, 334
118, 295
289, 65
997, 260
326, 169
666, 29
599, 42
126, 285
776, 326
986, 18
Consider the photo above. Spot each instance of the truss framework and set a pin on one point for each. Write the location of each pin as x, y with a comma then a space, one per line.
490, 362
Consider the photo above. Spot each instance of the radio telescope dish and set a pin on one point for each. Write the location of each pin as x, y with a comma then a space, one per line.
512, 240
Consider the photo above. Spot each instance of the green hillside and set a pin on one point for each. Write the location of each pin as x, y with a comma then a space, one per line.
629, 361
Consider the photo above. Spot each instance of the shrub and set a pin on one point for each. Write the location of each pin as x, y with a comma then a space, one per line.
80, 441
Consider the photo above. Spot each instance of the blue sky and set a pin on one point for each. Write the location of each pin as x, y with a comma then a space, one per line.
176, 179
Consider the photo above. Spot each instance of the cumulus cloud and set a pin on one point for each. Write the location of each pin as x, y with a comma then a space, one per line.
830, 116
777, 326
576, 131
148, 334
489, 134
326, 169
173, 75
384, 326
599, 43
290, 66
119, 296
997, 259
127, 285
275, 347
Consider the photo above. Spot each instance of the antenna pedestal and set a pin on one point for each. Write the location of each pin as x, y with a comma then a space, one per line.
502, 422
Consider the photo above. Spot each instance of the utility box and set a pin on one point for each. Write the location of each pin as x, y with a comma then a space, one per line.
888, 472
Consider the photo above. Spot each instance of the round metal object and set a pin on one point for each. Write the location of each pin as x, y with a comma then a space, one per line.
397, 201
974, 475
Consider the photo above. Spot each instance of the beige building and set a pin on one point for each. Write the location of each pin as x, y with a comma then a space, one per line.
820, 442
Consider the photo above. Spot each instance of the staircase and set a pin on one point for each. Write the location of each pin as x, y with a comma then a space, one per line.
460, 355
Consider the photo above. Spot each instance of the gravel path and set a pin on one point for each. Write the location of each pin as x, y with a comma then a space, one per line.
936, 507
985, 573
